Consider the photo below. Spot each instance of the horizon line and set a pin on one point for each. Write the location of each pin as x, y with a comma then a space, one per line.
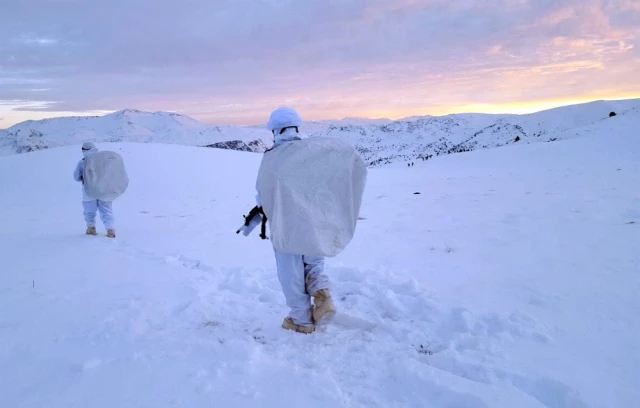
518, 109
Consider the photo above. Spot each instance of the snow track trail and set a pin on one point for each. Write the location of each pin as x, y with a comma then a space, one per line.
168, 319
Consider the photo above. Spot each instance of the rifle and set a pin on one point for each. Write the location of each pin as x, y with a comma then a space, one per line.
256, 216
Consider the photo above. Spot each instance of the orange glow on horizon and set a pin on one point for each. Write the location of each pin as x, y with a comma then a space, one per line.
517, 108
9, 117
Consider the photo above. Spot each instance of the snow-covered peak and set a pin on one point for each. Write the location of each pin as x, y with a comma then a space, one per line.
128, 125
139, 113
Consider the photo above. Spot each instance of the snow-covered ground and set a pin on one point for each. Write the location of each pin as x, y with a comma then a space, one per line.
511, 280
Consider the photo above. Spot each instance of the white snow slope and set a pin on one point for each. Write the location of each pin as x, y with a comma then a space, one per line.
512, 280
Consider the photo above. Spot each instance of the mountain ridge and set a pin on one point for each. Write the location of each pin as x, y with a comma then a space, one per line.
380, 141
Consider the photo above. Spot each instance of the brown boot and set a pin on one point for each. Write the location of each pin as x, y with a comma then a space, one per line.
323, 306
111, 233
91, 231
290, 325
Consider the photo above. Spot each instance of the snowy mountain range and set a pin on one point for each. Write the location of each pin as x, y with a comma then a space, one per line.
127, 125
413, 139
380, 141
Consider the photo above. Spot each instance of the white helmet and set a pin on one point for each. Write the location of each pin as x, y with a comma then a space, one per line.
282, 118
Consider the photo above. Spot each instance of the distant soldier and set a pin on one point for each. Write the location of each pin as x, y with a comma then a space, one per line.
91, 205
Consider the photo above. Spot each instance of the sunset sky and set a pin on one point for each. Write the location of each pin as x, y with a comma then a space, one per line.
233, 61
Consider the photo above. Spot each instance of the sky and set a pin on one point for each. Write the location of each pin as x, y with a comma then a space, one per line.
234, 61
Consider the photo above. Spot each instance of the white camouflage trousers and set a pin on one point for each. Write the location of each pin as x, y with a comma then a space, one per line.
105, 209
301, 276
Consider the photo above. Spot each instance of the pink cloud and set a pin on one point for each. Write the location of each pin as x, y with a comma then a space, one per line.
232, 61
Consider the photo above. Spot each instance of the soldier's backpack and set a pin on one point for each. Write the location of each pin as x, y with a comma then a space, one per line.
311, 192
104, 177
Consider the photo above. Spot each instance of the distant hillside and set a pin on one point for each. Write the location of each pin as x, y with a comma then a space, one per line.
417, 139
380, 141
128, 126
